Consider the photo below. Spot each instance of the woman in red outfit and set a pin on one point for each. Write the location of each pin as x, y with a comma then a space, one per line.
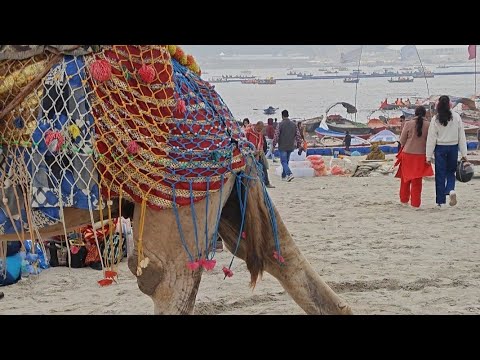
413, 166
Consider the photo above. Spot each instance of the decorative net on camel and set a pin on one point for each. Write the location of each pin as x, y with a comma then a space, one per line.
81, 126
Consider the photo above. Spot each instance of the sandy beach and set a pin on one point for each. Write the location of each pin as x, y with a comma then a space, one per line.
380, 257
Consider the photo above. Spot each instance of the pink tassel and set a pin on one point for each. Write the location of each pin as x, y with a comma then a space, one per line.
54, 140
227, 272
133, 147
208, 265
181, 107
74, 250
193, 265
244, 235
278, 257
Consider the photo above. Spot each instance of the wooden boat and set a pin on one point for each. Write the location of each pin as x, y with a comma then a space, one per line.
351, 80
394, 125
377, 124
401, 80
267, 81
340, 124
421, 74
311, 124
331, 141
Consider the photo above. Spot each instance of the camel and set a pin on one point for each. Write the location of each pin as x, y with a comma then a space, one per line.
170, 240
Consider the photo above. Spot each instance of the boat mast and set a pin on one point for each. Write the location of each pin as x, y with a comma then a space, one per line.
423, 68
356, 84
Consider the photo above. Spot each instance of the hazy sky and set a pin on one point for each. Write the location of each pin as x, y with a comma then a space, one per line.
398, 47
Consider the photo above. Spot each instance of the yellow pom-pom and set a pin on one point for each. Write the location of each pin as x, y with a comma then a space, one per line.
195, 68
172, 49
74, 131
183, 60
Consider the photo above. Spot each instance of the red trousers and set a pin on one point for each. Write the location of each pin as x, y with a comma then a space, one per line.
411, 190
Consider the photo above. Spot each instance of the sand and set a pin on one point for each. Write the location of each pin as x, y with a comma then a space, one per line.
380, 257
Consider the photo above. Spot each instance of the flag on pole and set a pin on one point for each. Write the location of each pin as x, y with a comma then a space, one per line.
472, 52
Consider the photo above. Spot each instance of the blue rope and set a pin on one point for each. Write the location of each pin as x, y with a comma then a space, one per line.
194, 218
207, 240
179, 225
219, 214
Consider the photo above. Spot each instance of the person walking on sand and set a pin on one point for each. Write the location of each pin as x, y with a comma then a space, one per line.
254, 134
446, 137
288, 138
411, 158
270, 133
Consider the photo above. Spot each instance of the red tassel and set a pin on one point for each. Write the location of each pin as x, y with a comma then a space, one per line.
227, 272
74, 250
54, 140
101, 70
105, 282
147, 73
110, 274
244, 235
133, 147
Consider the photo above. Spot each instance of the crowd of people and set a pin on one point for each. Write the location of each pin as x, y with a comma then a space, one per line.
287, 135
421, 143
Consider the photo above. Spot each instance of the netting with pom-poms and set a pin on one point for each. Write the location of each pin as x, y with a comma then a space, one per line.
83, 126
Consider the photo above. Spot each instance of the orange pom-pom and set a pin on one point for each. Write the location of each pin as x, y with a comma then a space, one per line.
190, 60
178, 54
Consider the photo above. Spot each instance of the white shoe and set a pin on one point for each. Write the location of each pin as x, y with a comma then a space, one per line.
404, 204
440, 206
453, 198
290, 178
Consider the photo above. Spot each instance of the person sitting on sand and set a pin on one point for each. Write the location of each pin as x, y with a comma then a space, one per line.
376, 153
411, 158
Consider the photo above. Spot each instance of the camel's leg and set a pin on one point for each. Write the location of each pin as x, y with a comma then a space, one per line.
171, 285
297, 276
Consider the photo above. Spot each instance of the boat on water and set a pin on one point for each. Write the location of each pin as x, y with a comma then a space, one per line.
267, 81
218, 79
249, 81
421, 74
351, 80
401, 79
270, 110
